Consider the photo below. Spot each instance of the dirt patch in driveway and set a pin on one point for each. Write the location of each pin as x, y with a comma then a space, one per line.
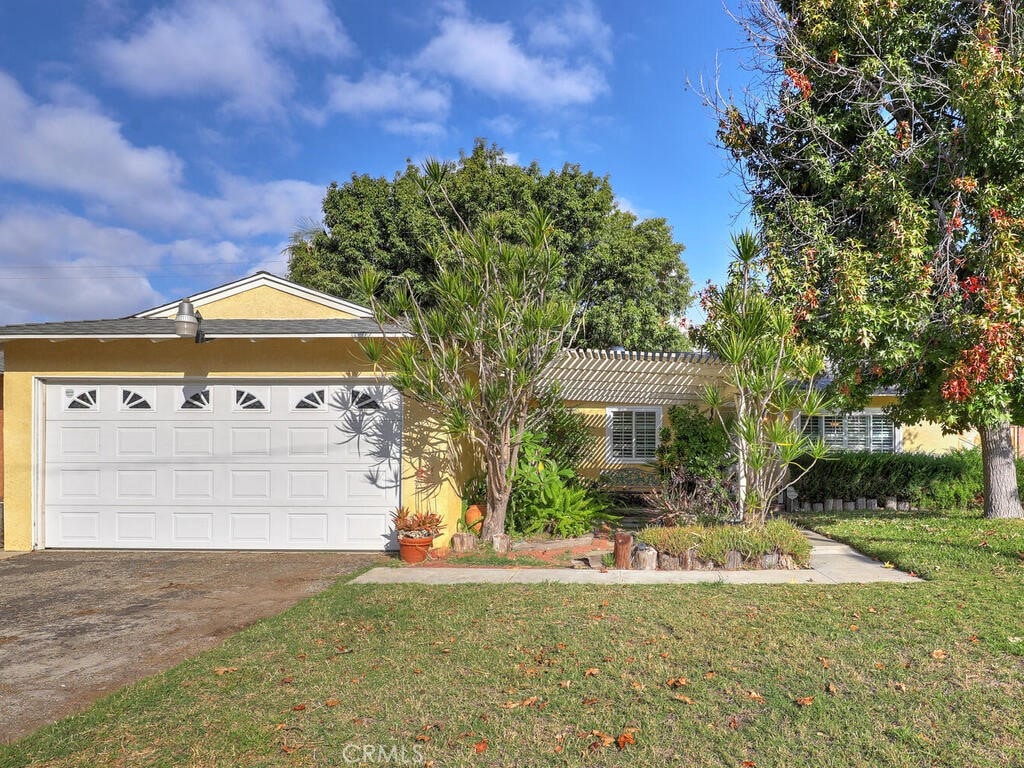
76, 625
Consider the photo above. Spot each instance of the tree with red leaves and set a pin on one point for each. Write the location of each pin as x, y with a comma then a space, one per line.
884, 154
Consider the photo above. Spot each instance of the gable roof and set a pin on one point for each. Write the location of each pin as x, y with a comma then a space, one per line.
163, 328
257, 280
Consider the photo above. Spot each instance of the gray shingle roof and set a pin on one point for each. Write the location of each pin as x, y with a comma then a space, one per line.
164, 327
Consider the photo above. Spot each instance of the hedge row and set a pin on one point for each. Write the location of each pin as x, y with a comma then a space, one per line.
954, 480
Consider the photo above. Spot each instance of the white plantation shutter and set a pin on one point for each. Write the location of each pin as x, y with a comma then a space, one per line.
633, 434
872, 432
857, 432
883, 434
622, 434
645, 434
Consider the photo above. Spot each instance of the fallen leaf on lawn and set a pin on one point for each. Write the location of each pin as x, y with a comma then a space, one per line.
684, 699
332, 703
565, 683
423, 737
734, 723
832, 688
709, 675
624, 740
299, 708
824, 662
588, 702
754, 695
606, 740
224, 670
677, 682
805, 701
887, 564
288, 749
871, 610
748, 764
342, 649
879, 665
973, 639
637, 686
854, 628
592, 672
480, 746
912, 574
939, 654
558, 749
300, 656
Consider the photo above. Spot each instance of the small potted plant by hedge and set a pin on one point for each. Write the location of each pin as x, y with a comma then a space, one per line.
416, 533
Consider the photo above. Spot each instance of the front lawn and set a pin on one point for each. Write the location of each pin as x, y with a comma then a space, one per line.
928, 674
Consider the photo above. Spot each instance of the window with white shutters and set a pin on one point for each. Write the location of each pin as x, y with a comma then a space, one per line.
874, 432
633, 433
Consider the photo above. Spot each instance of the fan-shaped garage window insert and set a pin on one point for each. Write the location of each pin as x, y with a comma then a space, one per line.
81, 401
361, 399
247, 401
314, 401
197, 401
133, 401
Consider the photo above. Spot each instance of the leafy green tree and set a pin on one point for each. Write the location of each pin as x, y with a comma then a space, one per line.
886, 166
634, 285
480, 331
770, 381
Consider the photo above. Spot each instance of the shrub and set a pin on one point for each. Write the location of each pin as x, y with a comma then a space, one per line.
549, 499
686, 497
714, 542
691, 440
563, 429
950, 481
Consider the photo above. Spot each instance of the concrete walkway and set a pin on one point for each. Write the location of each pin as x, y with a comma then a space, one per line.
831, 563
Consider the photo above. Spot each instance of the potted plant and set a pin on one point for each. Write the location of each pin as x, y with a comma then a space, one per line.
474, 494
416, 533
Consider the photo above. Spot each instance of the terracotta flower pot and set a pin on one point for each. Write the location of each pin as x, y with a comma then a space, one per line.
475, 514
414, 550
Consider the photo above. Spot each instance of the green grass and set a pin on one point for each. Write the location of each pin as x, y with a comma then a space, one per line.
433, 672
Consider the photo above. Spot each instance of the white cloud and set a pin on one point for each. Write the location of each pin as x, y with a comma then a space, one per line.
224, 49
387, 92
423, 129
55, 265
503, 125
578, 26
76, 150
485, 56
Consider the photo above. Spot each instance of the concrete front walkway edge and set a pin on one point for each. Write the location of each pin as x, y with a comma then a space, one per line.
831, 563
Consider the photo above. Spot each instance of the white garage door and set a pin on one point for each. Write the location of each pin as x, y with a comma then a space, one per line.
221, 465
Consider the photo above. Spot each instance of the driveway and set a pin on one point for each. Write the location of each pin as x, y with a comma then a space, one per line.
75, 625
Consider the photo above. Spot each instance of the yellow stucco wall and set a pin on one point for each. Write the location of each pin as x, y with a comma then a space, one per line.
596, 459
427, 458
926, 436
266, 303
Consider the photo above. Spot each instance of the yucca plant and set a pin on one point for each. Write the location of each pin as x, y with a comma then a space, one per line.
771, 380
478, 335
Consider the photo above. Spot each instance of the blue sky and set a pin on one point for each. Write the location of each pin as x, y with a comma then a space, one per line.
152, 150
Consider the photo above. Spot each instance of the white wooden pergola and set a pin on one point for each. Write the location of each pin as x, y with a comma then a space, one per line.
641, 378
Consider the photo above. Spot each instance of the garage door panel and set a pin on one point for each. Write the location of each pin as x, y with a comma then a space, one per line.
250, 466
78, 442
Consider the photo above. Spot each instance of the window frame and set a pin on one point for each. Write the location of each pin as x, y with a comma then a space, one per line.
610, 412
869, 414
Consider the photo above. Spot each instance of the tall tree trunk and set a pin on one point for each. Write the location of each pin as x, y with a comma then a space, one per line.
1002, 498
498, 491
